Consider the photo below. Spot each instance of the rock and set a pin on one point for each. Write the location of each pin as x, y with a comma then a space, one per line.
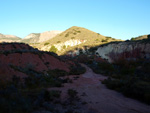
124, 49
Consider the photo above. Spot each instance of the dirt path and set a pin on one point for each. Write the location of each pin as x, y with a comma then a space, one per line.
100, 99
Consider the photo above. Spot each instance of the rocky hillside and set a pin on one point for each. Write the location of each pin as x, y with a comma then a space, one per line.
22, 60
128, 49
40, 37
74, 37
9, 38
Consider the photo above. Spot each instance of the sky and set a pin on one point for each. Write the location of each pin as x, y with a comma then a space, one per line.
121, 19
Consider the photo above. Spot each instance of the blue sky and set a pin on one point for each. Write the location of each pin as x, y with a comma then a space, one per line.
121, 19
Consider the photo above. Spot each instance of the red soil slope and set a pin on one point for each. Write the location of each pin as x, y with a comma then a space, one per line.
22, 56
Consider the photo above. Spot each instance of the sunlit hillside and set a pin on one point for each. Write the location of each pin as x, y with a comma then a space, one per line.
140, 37
74, 37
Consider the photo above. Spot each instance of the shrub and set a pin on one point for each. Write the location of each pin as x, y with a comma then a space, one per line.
46, 44
57, 73
133, 39
12, 101
80, 51
72, 93
64, 47
72, 37
50, 80
108, 37
78, 31
102, 67
97, 40
58, 41
53, 49
67, 35
52, 94
77, 70
131, 80
104, 40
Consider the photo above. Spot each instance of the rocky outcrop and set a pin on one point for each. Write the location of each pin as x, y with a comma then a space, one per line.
63, 45
130, 50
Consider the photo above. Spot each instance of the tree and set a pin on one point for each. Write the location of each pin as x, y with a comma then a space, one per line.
53, 49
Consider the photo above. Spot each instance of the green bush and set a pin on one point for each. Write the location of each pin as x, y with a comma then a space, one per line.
104, 40
64, 47
53, 49
78, 31
46, 44
67, 35
58, 41
133, 39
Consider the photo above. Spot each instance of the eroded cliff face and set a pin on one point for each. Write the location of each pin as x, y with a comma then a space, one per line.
130, 50
63, 45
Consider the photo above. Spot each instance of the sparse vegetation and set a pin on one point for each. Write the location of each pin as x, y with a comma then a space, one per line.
126, 77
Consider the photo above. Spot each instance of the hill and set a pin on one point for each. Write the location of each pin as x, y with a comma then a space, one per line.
26, 74
140, 37
40, 37
19, 59
74, 37
9, 38
31, 38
